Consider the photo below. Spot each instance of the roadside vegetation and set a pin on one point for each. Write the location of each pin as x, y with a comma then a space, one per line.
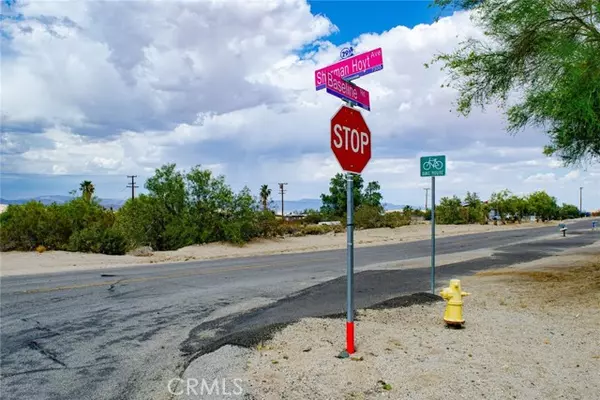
186, 208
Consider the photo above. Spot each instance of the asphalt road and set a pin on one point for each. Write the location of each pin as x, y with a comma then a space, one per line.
81, 335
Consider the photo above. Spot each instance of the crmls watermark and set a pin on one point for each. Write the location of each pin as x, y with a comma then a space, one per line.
194, 387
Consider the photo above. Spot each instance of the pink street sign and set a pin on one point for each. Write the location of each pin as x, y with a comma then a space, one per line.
347, 91
351, 68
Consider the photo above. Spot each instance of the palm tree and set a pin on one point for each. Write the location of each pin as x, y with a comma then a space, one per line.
87, 190
265, 193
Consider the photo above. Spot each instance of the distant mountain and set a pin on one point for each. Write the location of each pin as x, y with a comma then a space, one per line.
58, 199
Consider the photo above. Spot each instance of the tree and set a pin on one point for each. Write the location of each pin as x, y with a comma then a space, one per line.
87, 190
475, 210
334, 203
499, 202
449, 211
519, 207
372, 196
209, 199
548, 51
265, 193
543, 205
569, 211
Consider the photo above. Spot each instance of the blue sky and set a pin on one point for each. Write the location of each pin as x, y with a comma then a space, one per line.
101, 90
356, 17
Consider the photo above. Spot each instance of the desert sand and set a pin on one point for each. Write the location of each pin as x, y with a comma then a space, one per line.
25, 263
531, 332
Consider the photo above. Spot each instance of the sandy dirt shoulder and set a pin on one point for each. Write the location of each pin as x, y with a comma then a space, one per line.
20, 263
531, 332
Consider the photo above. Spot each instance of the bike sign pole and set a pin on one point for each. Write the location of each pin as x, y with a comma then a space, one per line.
432, 166
433, 234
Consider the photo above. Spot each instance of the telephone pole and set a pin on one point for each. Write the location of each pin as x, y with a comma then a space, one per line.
132, 185
281, 192
580, 201
426, 196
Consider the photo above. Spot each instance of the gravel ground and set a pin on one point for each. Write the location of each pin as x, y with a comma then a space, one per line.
532, 332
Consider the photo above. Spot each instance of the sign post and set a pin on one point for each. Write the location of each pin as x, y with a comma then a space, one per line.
350, 143
350, 264
433, 166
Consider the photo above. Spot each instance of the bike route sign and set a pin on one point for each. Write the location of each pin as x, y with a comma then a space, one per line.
433, 166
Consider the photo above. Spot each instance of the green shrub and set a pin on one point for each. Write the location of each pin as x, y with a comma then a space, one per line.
368, 217
396, 219
87, 240
113, 242
268, 225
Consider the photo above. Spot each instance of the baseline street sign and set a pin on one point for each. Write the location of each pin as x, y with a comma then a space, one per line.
350, 140
433, 166
351, 68
348, 91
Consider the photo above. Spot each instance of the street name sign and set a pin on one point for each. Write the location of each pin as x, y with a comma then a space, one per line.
350, 139
433, 166
348, 91
351, 68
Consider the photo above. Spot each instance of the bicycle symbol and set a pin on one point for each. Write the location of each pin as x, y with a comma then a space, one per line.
433, 163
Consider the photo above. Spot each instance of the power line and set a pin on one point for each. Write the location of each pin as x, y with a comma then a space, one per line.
281, 192
132, 185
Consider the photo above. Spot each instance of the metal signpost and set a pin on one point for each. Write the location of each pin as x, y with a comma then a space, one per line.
350, 143
433, 166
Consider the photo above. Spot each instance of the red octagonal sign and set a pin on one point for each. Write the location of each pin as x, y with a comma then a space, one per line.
350, 139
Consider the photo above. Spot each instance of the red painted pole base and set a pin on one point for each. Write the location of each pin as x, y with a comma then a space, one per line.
350, 337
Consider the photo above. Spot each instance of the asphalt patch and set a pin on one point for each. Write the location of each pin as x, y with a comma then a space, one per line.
251, 338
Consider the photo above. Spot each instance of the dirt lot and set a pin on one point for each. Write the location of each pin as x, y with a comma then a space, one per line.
532, 332
19, 263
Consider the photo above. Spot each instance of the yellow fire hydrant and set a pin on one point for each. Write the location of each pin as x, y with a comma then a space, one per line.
453, 315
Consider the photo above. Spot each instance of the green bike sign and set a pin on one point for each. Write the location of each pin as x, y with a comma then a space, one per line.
433, 166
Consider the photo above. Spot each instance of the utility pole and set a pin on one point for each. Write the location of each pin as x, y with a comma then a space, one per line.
580, 201
132, 185
281, 192
426, 196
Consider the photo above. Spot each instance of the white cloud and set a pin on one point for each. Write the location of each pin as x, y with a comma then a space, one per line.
123, 87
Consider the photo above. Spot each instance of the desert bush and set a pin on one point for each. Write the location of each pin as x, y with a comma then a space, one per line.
395, 219
268, 225
24, 227
368, 217
338, 228
316, 229
87, 240
113, 242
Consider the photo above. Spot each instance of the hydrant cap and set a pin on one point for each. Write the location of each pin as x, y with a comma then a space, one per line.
455, 283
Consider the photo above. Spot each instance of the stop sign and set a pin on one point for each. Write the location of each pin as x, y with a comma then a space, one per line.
350, 139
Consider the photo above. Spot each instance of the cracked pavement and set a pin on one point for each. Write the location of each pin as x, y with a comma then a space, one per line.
123, 335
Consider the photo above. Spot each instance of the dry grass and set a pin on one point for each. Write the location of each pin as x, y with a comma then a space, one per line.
572, 283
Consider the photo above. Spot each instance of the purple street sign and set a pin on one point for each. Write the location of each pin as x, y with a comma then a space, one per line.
351, 68
348, 91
